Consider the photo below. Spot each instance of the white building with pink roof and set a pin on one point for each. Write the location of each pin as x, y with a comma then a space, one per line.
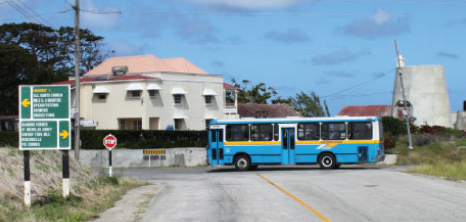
146, 92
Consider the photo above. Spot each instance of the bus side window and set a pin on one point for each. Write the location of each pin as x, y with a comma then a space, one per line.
220, 136
333, 131
213, 136
237, 132
360, 130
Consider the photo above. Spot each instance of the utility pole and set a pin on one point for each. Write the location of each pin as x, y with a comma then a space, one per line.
400, 64
77, 140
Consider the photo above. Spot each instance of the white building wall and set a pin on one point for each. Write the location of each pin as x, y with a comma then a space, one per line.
119, 105
426, 90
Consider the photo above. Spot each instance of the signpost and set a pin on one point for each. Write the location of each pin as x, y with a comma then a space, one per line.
45, 124
110, 142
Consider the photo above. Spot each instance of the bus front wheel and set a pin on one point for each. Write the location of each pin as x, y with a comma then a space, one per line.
242, 163
327, 161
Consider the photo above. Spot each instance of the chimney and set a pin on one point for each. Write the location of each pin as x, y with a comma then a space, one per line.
464, 105
119, 70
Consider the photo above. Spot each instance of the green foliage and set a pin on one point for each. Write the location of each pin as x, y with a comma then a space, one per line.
36, 54
393, 126
138, 139
309, 105
9, 138
259, 94
131, 139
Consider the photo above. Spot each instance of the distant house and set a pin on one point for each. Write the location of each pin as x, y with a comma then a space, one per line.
266, 111
370, 110
146, 92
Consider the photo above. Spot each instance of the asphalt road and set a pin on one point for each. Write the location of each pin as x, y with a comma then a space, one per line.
301, 194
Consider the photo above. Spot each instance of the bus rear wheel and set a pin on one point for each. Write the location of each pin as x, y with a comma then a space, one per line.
327, 161
242, 163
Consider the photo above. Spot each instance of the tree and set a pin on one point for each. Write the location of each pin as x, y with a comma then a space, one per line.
309, 105
259, 94
55, 48
17, 66
37, 54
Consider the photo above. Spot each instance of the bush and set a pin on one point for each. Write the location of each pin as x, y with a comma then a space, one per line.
9, 138
131, 139
393, 126
138, 139
388, 143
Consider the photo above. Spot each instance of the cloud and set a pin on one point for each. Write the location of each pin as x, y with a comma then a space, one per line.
195, 30
344, 74
322, 81
123, 48
381, 24
235, 40
218, 64
338, 57
289, 36
448, 55
248, 4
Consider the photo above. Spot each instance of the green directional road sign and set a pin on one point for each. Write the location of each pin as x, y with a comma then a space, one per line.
44, 117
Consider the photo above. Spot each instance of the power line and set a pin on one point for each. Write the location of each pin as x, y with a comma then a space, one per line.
360, 84
22, 11
33, 12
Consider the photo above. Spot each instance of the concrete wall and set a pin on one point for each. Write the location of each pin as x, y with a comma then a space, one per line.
184, 157
459, 120
426, 90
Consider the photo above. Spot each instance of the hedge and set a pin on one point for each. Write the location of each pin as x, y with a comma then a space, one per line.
9, 138
138, 139
131, 139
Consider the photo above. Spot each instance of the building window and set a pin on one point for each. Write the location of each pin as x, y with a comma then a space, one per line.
208, 99
261, 132
308, 131
137, 124
135, 94
333, 131
360, 131
152, 93
121, 124
177, 98
237, 132
101, 96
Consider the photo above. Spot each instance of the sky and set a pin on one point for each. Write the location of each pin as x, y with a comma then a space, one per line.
341, 49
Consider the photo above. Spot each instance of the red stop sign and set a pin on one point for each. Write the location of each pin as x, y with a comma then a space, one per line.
110, 141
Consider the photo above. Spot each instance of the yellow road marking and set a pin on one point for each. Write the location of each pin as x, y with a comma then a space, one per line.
297, 199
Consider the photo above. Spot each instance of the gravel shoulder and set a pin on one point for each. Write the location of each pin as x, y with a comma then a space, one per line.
132, 205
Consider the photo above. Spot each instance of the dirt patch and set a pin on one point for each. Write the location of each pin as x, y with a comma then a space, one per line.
132, 206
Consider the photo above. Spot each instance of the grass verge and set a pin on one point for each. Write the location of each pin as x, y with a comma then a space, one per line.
445, 159
91, 193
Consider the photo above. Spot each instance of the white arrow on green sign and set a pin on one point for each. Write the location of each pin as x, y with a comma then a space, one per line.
44, 117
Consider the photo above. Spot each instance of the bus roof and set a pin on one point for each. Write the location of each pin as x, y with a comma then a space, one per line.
295, 120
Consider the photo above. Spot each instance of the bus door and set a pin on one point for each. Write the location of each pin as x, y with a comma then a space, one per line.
288, 146
216, 146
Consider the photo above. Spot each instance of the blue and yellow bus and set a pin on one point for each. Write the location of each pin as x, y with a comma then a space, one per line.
329, 141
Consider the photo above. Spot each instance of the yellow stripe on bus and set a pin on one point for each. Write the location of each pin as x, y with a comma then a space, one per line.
333, 142
253, 143
337, 142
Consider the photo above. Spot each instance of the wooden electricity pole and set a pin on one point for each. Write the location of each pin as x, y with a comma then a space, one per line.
77, 140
